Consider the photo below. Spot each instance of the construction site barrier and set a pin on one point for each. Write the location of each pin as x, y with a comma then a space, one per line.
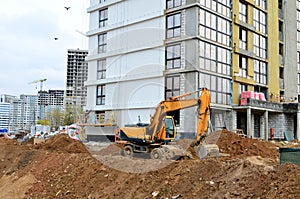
291, 155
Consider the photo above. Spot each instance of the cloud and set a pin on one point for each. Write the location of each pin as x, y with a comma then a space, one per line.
28, 49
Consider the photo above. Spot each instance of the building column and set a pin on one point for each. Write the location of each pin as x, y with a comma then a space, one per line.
266, 125
298, 126
233, 119
249, 129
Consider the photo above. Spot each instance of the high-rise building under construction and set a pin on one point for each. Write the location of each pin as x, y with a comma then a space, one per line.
246, 52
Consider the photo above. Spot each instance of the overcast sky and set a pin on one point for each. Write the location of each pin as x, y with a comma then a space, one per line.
28, 50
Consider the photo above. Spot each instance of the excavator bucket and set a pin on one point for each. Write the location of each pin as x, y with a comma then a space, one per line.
207, 151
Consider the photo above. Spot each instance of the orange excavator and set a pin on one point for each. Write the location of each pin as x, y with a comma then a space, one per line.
158, 138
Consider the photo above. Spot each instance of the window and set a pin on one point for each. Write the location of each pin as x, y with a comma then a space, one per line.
243, 66
279, 4
219, 87
103, 18
243, 38
173, 56
215, 58
173, 89
102, 42
281, 73
173, 25
280, 49
243, 12
173, 3
260, 45
262, 3
100, 116
172, 86
242, 88
260, 72
259, 20
100, 95
214, 27
101, 69
223, 7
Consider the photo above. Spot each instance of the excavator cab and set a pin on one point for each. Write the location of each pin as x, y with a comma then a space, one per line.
170, 128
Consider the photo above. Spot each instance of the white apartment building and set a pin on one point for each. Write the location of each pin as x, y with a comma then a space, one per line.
4, 115
29, 111
126, 59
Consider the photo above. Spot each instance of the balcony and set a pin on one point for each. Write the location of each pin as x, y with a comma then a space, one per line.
280, 107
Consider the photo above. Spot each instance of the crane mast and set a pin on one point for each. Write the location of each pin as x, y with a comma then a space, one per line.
41, 89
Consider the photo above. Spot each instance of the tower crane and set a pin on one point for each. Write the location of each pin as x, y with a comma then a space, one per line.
41, 83
41, 89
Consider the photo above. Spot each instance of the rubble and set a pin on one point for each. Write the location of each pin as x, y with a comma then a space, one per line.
63, 168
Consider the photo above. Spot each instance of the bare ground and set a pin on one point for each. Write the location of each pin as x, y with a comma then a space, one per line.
65, 168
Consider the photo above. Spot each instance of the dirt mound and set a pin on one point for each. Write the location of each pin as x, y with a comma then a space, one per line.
30, 141
236, 145
284, 182
62, 143
112, 149
8, 142
61, 168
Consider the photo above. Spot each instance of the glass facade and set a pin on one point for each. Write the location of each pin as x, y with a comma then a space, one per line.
215, 49
214, 27
260, 42
222, 7
215, 58
219, 87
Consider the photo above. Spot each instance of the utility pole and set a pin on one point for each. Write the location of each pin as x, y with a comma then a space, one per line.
39, 96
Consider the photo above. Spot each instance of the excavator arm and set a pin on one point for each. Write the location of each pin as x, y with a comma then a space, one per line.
203, 115
176, 103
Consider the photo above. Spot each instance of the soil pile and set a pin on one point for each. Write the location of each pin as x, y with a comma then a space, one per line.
237, 145
62, 143
63, 168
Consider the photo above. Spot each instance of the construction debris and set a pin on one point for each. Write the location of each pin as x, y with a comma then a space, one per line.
62, 167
